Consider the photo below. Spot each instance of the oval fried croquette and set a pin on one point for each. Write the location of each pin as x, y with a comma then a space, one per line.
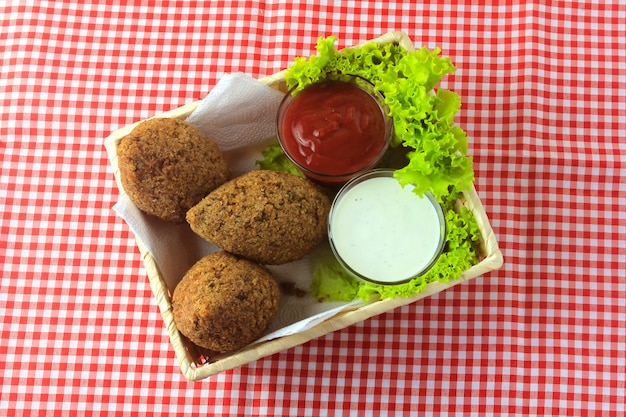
167, 166
224, 302
266, 216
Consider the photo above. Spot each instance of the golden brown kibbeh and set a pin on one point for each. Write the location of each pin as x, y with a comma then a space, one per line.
225, 302
266, 216
168, 165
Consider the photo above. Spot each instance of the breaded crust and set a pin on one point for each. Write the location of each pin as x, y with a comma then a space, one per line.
225, 302
267, 216
167, 166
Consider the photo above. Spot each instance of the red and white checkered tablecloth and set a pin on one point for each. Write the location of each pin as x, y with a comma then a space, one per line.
543, 85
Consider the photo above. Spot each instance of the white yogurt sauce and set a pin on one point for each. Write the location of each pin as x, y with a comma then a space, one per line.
385, 232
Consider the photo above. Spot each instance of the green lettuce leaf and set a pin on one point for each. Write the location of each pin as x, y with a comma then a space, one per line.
331, 282
273, 158
428, 150
423, 120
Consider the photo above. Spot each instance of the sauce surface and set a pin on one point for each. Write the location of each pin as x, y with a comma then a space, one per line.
384, 232
333, 128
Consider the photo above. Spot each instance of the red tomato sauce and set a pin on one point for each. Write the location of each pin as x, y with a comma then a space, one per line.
333, 128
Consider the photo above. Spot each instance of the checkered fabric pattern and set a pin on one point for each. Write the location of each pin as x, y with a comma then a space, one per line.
543, 85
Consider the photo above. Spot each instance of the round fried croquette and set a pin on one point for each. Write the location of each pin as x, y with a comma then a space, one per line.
224, 302
267, 216
168, 165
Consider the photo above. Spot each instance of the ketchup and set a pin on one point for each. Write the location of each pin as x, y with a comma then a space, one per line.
333, 128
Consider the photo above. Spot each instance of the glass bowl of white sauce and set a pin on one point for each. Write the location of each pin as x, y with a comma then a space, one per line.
384, 233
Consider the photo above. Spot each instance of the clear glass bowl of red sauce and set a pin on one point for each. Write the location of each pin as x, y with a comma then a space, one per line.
335, 129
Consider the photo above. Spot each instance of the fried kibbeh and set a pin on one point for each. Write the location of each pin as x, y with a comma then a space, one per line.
270, 217
224, 302
168, 165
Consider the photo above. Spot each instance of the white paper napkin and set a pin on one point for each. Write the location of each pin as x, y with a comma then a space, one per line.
239, 112
239, 115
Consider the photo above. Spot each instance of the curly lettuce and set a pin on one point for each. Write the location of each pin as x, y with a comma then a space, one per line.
428, 150
331, 282
437, 160
273, 158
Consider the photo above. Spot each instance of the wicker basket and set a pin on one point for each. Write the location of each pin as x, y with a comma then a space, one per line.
195, 364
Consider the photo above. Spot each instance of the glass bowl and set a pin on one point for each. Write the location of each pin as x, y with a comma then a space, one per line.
384, 233
335, 129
